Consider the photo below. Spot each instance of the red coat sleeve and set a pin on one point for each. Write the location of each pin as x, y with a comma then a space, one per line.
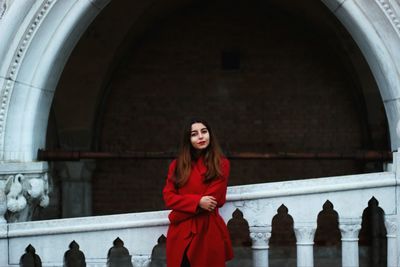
173, 200
218, 187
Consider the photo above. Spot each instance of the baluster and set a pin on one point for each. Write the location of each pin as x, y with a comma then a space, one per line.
349, 228
260, 236
74, 257
391, 230
30, 258
118, 255
305, 232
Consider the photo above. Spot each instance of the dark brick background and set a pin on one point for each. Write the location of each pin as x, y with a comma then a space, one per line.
292, 92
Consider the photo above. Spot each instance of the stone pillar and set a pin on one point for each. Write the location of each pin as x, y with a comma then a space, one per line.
76, 179
260, 236
305, 232
391, 230
350, 228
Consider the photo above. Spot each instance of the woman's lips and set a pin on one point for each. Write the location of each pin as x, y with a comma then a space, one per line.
201, 143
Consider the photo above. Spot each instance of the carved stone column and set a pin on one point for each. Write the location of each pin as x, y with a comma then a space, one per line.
350, 228
76, 187
23, 187
305, 232
391, 230
260, 236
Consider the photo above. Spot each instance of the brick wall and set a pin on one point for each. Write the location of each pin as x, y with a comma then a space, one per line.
292, 92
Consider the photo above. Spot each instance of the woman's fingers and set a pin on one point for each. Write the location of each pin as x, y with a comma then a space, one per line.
208, 203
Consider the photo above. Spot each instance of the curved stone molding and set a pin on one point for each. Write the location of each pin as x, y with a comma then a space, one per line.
305, 233
39, 37
390, 13
15, 64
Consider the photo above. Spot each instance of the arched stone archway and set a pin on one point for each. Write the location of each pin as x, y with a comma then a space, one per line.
39, 37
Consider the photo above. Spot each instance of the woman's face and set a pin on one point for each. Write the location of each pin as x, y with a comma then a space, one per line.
199, 136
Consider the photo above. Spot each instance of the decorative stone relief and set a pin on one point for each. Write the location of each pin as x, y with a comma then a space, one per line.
350, 229
305, 233
391, 13
391, 226
260, 237
16, 201
23, 193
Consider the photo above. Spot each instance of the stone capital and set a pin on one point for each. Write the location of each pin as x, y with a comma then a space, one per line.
391, 226
260, 236
349, 228
305, 232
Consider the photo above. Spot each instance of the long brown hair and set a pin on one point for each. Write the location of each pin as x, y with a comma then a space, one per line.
212, 155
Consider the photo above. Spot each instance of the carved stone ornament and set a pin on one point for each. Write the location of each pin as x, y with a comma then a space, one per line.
391, 226
349, 229
305, 233
26, 191
390, 12
260, 237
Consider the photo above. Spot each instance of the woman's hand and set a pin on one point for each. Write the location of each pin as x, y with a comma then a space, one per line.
208, 203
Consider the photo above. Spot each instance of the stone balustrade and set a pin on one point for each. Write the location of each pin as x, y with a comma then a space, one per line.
137, 233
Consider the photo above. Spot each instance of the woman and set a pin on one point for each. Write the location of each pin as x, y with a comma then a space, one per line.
195, 189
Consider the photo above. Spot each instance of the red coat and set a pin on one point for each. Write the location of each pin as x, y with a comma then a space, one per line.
204, 232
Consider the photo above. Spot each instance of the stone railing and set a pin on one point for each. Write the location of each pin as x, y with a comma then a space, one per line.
138, 235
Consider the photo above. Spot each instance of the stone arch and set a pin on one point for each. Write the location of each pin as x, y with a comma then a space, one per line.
39, 37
